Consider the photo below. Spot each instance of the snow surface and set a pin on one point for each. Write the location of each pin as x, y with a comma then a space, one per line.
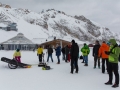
59, 78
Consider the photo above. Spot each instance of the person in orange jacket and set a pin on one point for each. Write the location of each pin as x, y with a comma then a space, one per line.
104, 47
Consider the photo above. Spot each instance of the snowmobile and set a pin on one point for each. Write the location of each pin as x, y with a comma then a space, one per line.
13, 64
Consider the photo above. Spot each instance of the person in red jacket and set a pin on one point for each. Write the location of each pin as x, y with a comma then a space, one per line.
69, 46
104, 47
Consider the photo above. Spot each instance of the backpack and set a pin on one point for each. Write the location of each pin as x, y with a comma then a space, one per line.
46, 68
81, 57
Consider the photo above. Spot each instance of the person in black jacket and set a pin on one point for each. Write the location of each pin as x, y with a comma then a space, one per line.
95, 53
67, 50
63, 53
74, 56
50, 51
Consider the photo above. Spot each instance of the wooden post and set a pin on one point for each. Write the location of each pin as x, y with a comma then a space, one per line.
61, 43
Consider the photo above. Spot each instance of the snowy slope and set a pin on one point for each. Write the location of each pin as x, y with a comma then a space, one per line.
59, 78
52, 23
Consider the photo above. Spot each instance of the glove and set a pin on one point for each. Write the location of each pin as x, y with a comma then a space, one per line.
107, 52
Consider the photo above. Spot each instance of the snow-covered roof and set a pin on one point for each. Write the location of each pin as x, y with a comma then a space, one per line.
19, 39
44, 40
41, 40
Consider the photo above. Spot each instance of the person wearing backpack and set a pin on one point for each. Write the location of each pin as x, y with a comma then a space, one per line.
50, 51
85, 51
74, 56
113, 63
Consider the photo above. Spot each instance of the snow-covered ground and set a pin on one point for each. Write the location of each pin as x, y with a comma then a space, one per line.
59, 78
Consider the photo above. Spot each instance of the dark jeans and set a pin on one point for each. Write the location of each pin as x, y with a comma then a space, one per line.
58, 57
49, 55
103, 64
63, 56
40, 57
95, 61
74, 62
66, 58
113, 67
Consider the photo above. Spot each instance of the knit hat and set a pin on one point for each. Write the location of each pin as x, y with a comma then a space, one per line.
84, 44
108, 43
73, 41
17, 50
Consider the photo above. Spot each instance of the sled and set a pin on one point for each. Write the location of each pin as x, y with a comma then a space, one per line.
13, 64
46, 67
41, 64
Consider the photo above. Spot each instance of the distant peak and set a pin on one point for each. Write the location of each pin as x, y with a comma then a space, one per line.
5, 5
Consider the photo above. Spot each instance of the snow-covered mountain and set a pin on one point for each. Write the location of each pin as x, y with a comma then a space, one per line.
51, 23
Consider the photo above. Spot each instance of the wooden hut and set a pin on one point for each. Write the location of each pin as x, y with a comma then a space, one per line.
54, 42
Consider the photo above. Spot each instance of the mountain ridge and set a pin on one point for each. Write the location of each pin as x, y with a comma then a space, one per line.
54, 23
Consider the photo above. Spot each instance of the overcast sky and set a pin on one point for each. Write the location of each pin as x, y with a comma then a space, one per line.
104, 12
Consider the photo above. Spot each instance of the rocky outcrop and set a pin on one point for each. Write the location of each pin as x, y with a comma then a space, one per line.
4, 5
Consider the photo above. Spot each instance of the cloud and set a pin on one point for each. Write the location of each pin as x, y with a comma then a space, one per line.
104, 12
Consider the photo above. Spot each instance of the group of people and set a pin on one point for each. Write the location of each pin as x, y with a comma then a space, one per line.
108, 52
66, 53
49, 52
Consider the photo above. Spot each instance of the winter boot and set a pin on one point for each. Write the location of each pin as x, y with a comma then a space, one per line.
71, 72
115, 85
99, 67
86, 65
76, 71
108, 83
82, 62
40, 62
103, 72
94, 67
58, 62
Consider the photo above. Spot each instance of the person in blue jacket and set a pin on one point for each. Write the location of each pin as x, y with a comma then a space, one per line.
58, 52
